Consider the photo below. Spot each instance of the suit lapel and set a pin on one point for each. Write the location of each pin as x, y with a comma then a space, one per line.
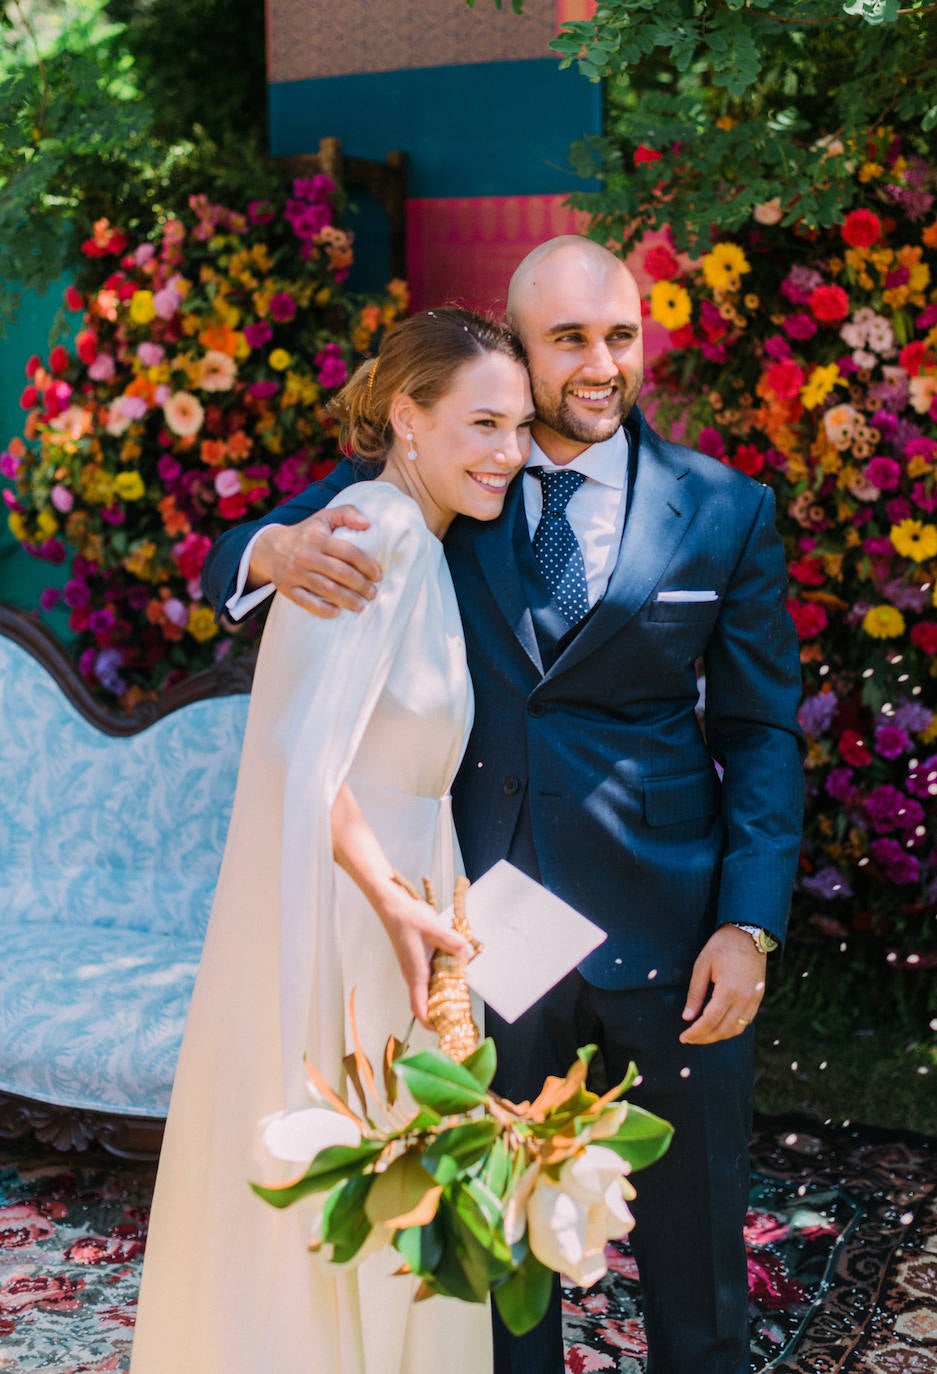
493, 544
661, 509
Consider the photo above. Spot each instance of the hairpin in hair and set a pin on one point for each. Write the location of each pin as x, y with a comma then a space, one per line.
371, 378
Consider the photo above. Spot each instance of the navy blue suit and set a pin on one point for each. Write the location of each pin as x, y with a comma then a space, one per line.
587, 768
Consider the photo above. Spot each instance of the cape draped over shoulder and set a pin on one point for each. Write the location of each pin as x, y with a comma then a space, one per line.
381, 699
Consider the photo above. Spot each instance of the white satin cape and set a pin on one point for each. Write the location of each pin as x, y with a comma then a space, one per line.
383, 700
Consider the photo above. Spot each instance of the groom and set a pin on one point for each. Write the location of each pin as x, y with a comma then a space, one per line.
620, 562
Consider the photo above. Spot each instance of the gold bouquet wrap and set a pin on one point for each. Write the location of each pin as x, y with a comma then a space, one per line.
450, 1004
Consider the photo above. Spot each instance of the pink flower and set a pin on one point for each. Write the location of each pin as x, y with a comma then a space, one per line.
184, 413
166, 302
785, 379
175, 612
711, 441
227, 482
217, 371
190, 553
151, 354
884, 473
102, 369
263, 391
809, 618
800, 326
62, 499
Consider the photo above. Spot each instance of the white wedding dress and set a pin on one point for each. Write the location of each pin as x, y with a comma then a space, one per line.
381, 699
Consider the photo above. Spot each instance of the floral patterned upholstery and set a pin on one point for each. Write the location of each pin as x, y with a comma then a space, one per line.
110, 852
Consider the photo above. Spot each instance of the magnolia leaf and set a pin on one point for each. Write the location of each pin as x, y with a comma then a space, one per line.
523, 1298
392, 1052
403, 1195
482, 1222
329, 1094
329, 1167
345, 1224
362, 1062
468, 1262
641, 1138
421, 1246
497, 1172
439, 1082
482, 1062
458, 1148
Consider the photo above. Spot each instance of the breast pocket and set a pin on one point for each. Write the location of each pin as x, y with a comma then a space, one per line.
683, 612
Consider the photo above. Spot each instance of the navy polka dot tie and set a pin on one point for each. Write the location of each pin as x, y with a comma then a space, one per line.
556, 547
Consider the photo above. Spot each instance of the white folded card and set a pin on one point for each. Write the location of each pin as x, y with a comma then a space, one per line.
530, 939
687, 596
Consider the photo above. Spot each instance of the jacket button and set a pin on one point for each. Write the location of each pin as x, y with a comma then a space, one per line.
536, 709
511, 787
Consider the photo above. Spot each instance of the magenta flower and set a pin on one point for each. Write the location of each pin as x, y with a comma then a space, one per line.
332, 370
884, 473
258, 333
9, 465
922, 780
899, 865
167, 467
839, 784
282, 307
800, 326
49, 597
263, 391
710, 441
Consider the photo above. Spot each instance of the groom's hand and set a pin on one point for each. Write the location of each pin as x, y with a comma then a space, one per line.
309, 565
732, 972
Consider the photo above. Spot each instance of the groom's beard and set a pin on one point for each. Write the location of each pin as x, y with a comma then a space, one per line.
557, 413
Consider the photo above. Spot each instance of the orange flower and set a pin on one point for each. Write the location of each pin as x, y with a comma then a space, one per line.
239, 445
214, 452
173, 519
221, 337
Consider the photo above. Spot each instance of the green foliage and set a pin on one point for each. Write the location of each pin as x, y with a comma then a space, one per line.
717, 106
120, 111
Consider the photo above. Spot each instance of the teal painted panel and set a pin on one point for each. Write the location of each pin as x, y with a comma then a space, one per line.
491, 129
23, 578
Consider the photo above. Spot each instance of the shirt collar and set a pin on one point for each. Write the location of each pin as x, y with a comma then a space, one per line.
606, 462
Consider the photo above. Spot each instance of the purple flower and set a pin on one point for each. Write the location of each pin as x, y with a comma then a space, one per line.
827, 883
911, 715
258, 333
307, 220
924, 499
816, 713
885, 423
52, 551
101, 621
899, 865
890, 741
113, 515
922, 780
106, 665
906, 596
319, 187
49, 597
137, 597
263, 391
76, 594
891, 394
9, 464
799, 284
898, 509
882, 806
839, 784
878, 547
176, 612
86, 662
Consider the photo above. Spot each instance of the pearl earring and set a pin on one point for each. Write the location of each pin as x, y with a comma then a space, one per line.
411, 451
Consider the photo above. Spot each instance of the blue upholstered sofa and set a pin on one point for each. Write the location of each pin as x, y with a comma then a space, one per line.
111, 834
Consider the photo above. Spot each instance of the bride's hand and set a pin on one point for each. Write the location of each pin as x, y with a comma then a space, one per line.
415, 931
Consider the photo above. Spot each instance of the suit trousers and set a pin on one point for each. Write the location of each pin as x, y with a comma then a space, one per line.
690, 1206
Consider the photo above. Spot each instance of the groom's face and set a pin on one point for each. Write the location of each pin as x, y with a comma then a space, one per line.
581, 327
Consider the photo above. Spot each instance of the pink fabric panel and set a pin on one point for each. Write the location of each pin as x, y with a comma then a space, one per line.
573, 9
463, 250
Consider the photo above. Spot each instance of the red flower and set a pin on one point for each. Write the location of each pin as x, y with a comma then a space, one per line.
58, 359
785, 379
809, 571
830, 304
854, 749
74, 300
645, 154
924, 636
913, 357
809, 619
28, 397
661, 264
861, 228
86, 345
748, 459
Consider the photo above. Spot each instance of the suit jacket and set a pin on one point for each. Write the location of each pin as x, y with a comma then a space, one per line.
598, 766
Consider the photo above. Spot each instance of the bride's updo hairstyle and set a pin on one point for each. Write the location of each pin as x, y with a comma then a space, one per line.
419, 358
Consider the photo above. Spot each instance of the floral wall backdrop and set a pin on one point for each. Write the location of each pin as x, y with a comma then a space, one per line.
808, 359
194, 398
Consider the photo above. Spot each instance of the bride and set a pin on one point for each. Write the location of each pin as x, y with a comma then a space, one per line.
355, 730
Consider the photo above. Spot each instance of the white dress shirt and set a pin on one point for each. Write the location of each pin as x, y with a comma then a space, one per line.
596, 520
596, 511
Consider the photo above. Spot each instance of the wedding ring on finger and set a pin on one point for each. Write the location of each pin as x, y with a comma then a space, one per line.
742, 1021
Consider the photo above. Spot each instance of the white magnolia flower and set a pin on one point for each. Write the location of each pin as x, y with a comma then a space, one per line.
298, 1136
570, 1219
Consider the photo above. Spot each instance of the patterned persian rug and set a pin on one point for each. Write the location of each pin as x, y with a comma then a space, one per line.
842, 1246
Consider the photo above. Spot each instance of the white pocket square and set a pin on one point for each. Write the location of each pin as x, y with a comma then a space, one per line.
687, 596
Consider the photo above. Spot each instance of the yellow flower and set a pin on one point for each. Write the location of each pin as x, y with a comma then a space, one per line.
18, 526
670, 305
142, 307
723, 267
819, 385
918, 466
201, 624
279, 360
97, 486
870, 170
914, 539
129, 486
139, 560
47, 523
883, 622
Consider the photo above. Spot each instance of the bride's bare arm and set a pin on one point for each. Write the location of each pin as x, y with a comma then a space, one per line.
413, 929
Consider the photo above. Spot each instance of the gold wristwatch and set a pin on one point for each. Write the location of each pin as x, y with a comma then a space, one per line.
764, 943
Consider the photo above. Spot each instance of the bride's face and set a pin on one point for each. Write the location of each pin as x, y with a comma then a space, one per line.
474, 439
